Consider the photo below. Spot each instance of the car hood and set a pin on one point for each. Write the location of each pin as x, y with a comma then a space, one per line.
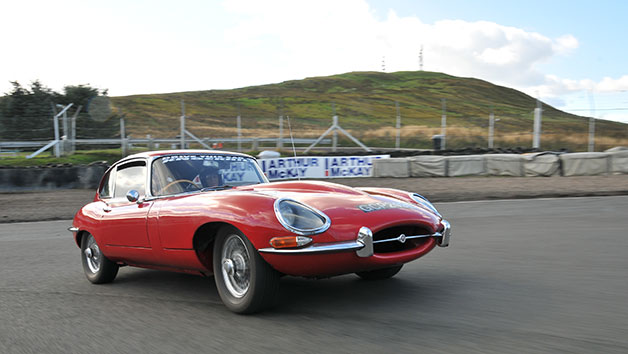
342, 203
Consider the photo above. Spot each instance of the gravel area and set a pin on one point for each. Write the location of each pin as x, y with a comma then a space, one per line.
62, 204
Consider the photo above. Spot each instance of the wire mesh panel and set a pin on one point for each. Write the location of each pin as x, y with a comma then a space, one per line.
258, 119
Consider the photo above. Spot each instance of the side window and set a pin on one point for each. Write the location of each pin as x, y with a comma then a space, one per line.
106, 190
130, 176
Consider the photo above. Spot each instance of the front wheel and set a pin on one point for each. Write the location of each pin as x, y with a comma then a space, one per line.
98, 268
245, 282
380, 273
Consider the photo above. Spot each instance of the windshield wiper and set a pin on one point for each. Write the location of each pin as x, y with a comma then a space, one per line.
217, 188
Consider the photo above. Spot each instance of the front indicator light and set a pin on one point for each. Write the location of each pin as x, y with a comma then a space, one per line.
290, 241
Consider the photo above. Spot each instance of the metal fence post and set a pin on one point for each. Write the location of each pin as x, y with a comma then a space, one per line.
398, 137
182, 124
443, 123
334, 136
591, 145
536, 139
66, 134
491, 127
334, 141
73, 129
239, 126
280, 140
55, 124
123, 145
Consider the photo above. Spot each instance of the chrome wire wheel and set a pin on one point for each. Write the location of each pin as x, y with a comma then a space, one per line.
97, 267
236, 267
92, 254
245, 282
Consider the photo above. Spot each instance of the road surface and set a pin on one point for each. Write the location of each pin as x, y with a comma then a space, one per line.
520, 276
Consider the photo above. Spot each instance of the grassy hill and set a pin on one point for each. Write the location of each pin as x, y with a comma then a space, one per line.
365, 104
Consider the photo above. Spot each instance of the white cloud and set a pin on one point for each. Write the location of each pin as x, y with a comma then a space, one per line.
565, 44
610, 85
328, 37
149, 47
554, 86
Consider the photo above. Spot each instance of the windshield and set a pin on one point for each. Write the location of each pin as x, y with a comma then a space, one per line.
175, 174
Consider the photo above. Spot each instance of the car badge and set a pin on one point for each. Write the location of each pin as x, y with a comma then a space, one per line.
402, 238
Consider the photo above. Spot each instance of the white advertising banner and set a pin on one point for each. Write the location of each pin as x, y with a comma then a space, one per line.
319, 166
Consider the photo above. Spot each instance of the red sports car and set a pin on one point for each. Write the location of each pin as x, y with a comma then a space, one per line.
214, 212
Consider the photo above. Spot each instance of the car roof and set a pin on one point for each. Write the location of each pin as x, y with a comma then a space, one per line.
158, 153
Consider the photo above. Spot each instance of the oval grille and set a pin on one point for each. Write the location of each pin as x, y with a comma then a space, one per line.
396, 242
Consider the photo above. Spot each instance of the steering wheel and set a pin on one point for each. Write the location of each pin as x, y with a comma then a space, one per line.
175, 182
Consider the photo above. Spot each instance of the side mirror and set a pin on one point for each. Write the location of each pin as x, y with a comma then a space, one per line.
132, 196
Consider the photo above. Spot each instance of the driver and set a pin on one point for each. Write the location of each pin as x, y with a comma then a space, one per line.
210, 177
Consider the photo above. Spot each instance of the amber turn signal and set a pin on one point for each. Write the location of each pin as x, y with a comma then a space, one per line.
289, 241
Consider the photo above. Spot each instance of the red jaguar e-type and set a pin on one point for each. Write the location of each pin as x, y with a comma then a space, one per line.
214, 212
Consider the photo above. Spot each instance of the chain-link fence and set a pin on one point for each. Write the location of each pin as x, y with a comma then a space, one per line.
258, 125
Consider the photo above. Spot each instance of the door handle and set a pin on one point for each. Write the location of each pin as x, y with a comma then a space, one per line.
106, 209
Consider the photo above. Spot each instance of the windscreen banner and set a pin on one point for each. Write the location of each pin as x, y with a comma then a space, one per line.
319, 167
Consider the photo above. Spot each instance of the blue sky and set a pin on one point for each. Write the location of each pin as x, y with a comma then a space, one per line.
600, 27
560, 51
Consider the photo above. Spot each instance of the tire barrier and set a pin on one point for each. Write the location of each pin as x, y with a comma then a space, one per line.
51, 177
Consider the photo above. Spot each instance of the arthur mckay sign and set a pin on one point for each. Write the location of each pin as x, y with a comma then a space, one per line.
319, 166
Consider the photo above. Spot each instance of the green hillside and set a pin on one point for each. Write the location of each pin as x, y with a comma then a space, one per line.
365, 104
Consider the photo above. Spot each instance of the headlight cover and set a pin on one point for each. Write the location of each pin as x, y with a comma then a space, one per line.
424, 202
300, 218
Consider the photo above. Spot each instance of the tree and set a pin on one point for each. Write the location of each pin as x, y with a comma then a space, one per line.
86, 127
26, 113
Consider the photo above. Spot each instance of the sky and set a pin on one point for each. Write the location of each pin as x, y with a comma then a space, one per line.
570, 54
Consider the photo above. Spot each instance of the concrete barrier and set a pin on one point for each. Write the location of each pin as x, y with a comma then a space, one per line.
504, 165
466, 165
428, 166
41, 178
585, 164
394, 167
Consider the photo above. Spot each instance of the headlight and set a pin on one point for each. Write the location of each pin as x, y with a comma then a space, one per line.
300, 218
424, 202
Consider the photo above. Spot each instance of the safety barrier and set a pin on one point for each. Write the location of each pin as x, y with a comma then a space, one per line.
428, 166
619, 162
538, 164
585, 164
542, 164
504, 165
392, 167
15, 179
469, 165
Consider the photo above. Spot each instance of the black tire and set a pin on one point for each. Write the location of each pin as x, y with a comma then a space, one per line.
246, 284
380, 274
98, 268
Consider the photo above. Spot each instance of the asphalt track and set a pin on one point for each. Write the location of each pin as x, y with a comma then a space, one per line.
521, 276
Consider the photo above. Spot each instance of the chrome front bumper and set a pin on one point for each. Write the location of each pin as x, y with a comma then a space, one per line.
363, 244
